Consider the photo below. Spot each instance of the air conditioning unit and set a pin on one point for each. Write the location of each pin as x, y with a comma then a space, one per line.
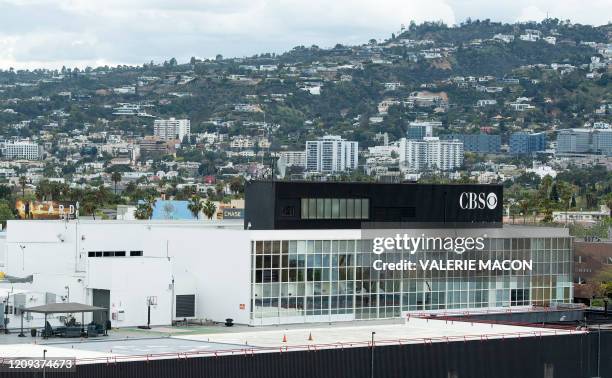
185, 306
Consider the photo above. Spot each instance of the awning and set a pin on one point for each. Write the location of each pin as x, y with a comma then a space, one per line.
70, 307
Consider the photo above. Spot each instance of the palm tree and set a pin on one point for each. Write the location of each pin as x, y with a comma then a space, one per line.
209, 209
524, 205
116, 177
566, 191
90, 207
195, 206
608, 202
23, 182
144, 210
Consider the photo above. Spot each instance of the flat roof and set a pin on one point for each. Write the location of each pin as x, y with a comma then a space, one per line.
271, 339
415, 330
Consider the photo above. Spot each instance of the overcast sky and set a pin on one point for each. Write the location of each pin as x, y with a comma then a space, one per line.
52, 33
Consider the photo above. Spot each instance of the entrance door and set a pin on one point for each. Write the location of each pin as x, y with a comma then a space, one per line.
101, 298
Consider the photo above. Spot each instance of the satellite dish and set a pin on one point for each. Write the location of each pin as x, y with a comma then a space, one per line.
281, 166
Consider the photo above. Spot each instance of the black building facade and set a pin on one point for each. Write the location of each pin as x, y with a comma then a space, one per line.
340, 205
581, 355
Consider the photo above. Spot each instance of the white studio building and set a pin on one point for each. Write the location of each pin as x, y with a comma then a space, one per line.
300, 255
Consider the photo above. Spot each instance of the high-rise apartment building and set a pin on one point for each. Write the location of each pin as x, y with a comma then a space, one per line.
167, 129
431, 153
20, 150
480, 143
598, 141
527, 143
331, 154
294, 158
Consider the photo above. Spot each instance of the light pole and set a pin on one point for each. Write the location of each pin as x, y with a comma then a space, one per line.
598, 349
44, 364
372, 357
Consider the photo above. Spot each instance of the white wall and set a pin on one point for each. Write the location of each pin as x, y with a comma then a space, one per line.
40, 246
131, 281
217, 262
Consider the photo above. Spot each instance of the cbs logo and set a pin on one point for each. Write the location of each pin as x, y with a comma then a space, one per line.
473, 201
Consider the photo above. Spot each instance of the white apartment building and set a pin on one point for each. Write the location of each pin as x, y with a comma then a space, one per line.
294, 158
168, 129
127, 89
20, 150
430, 153
240, 142
331, 154
487, 102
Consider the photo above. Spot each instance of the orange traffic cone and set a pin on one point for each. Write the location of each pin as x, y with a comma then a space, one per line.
310, 337
284, 338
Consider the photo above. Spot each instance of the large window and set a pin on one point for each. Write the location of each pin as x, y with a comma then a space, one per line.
335, 208
295, 278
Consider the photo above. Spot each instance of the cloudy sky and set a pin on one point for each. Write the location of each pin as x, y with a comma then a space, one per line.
52, 33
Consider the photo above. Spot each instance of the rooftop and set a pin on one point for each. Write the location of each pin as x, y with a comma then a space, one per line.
180, 342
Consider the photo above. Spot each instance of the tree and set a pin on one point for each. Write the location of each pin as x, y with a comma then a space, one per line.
545, 185
5, 213
90, 203
608, 202
195, 206
144, 210
554, 193
90, 206
209, 209
23, 181
116, 177
547, 209
524, 205
220, 189
236, 185
565, 194
5, 192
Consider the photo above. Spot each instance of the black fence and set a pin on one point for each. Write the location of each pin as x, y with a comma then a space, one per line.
562, 356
